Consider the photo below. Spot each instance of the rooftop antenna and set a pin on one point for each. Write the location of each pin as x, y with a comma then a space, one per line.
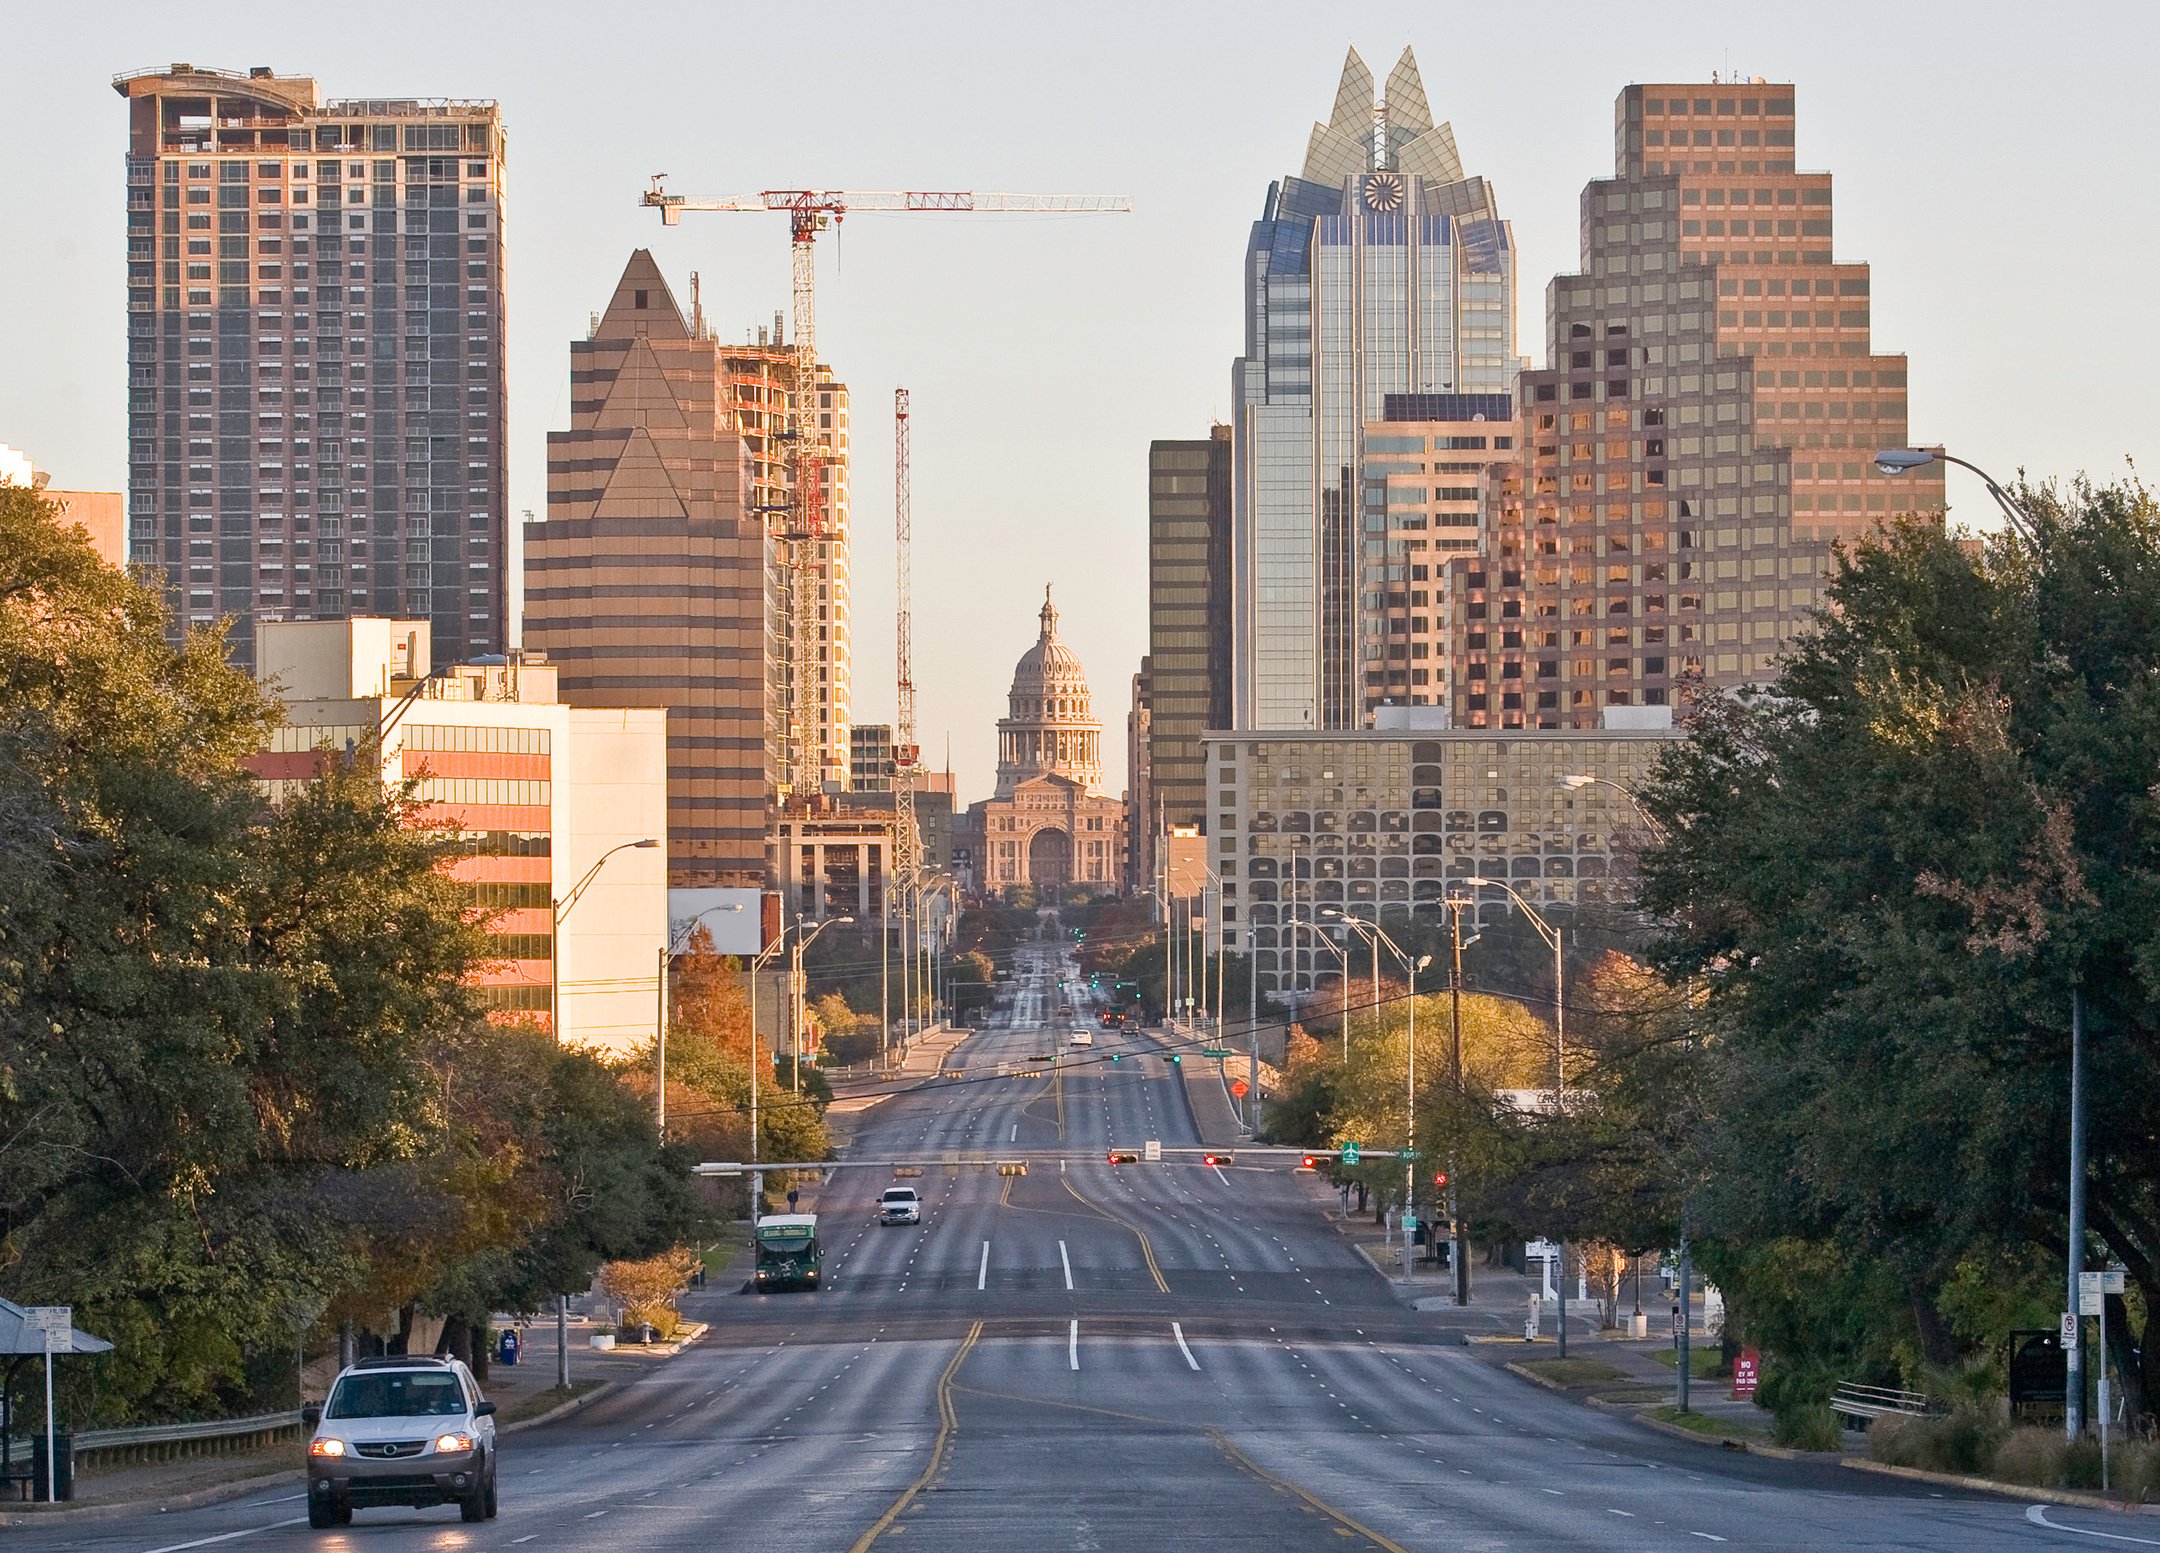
697, 309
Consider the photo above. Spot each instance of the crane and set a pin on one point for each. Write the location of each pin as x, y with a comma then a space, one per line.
907, 840
809, 212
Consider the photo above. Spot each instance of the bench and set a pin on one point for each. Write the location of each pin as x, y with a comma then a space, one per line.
1868, 1403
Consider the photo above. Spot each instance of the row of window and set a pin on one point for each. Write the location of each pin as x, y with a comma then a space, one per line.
482, 790
487, 741
521, 946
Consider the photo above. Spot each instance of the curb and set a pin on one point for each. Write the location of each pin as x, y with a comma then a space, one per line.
239, 1488
561, 1409
2062, 1496
1636, 1415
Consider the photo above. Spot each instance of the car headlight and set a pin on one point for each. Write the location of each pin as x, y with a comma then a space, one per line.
326, 1447
459, 1441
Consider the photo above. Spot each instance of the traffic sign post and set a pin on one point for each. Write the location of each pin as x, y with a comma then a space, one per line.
57, 1325
2093, 1290
1352, 1154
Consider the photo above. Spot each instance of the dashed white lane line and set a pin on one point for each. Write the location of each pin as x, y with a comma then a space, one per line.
203, 1542
1067, 1263
1707, 1536
1630, 1514
1072, 1345
1179, 1333
531, 1535
982, 1273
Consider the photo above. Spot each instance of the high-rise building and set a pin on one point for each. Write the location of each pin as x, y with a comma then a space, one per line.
870, 758
315, 354
1140, 781
1703, 428
648, 585
761, 384
1188, 663
1382, 268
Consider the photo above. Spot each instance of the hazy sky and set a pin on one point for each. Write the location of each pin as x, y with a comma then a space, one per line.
1994, 161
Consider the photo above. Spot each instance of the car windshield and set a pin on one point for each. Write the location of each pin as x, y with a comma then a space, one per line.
901, 1196
397, 1394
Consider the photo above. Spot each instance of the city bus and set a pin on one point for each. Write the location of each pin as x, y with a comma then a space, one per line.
788, 1254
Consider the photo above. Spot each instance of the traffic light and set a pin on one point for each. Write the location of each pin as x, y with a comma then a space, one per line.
1439, 1178
1217, 1159
1114, 1056
1177, 1059
1309, 1162
1124, 1157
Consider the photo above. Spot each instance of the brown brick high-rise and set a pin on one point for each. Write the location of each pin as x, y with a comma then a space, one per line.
647, 586
1703, 429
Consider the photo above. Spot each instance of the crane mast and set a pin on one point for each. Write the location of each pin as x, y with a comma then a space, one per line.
809, 211
907, 839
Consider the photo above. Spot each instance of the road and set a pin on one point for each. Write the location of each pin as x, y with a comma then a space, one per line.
1151, 1358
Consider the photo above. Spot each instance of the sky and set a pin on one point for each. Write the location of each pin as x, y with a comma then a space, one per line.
1993, 161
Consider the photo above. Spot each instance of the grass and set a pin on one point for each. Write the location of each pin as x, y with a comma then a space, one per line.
1633, 1394
1573, 1372
538, 1402
1705, 1424
717, 1257
1701, 1361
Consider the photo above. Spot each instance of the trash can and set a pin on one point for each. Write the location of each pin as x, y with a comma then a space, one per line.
506, 1346
64, 1463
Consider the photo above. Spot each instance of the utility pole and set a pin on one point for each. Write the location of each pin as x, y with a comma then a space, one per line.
1462, 1238
2074, 1352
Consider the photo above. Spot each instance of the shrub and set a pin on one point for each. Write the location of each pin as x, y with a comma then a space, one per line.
1962, 1441
1899, 1442
2029, 1455
1808, 1426
2081, 1462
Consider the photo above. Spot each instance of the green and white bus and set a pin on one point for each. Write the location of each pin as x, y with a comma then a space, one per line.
787, 1252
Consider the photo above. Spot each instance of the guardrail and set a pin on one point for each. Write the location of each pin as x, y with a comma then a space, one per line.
1867, 1403
167, 1442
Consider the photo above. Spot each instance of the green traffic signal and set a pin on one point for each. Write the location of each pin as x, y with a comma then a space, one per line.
1177, 1059
1114, 1057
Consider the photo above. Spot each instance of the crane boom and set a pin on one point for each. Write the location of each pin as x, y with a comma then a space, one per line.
907, 838
809, 212
812, 203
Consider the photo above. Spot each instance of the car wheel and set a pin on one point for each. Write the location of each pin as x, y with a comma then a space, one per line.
491, 1496
344, 1513
321, 1513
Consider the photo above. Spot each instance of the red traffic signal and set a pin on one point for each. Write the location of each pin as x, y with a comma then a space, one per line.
1123, 1157
1217, 1159
1439, 1178
1309, 1162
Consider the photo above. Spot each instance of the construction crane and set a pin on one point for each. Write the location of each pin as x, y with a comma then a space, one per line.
809, 212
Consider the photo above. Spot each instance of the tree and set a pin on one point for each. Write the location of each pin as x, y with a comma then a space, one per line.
1887, 875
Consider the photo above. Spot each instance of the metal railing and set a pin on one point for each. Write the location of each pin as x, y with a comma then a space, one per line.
1852, 1400
166, 1442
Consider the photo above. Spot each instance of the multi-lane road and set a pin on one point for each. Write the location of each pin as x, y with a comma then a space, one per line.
1152, 1357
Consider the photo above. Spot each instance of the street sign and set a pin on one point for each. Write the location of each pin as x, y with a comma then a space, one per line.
1240, 1088
1406, 1153
1152, 1150
2069, 1330
1409, 1221
1746, 1372
1352, 1154
2089, 1294
1539, 1251
1213, 1051
56, 1322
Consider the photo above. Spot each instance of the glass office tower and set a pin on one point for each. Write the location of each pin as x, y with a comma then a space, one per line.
1379, 270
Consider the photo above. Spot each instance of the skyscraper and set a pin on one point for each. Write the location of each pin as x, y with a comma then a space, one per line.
1382, 268
648, 585
315, 354
1703, 429
1188, 662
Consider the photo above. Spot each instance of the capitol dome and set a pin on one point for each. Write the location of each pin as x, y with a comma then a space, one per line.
1049, 728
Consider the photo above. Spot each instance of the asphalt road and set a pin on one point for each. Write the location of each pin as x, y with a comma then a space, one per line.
1136, 1359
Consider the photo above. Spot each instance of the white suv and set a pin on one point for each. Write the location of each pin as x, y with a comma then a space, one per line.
404, 1431
900, 1205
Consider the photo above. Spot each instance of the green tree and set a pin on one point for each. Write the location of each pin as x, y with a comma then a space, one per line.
1888, 875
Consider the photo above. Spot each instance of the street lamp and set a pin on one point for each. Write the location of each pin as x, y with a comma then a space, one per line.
558, 908
757, 1176
667, 960
1342, 953
1895, 461
795, 990
1552, 938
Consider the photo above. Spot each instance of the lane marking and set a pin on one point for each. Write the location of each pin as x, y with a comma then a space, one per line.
1072, 1344
1067, 1261
2033, 1513
203, 1542
1222, 1443
982, 1273
1179, 1333
1014, 1135
1707, 1536
531, 1535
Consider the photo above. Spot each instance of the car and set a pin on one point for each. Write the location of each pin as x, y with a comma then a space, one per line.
1081, 1038
401, 1430
900, 1205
